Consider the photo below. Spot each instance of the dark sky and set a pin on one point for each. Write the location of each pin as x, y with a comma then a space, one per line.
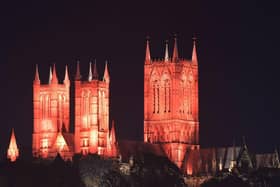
238, 53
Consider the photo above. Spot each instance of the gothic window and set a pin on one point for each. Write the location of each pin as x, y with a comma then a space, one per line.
156, 92
85, 108
182, 96
41, 107
60, 110
84, 142
102, 109
167, 95
190, 88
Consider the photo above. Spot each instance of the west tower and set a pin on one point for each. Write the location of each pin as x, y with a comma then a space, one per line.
92, 112
171, 103
51, 116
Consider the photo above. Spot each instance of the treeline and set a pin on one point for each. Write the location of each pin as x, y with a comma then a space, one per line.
89, 171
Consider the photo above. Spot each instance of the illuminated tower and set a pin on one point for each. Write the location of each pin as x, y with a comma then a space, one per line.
91, 112
51, 115
13, 153
171, 103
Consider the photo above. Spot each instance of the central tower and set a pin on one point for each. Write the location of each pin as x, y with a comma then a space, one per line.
171, 103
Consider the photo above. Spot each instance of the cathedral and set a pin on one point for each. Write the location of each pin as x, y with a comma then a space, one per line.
170, 110
171, 119
171, 123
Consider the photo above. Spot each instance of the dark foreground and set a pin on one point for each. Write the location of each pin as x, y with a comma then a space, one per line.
92, 170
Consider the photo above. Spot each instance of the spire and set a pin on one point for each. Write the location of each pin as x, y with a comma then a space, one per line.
194, 55
166, 57
90, 72
244, 142
113, 133
37, 78
148, 54
175, 50
112, 145
50, 75
54, 77
13, 152
95, 73
78, 74
66, 76
106, 76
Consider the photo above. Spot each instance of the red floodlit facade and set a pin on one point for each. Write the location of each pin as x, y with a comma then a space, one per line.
51, 105
171, 103
92, 112
13, 152
51, 109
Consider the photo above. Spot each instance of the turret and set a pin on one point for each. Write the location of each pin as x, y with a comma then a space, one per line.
54, 77
194, 55
175, 56
106, 76
90, 73
95, 72
13, 152
50, 75
148, 54
78, 73
166, 56
66, 77
37, 78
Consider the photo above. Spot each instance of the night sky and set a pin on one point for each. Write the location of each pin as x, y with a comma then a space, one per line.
238, 52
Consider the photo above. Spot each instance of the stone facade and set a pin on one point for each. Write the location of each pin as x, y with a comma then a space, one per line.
51, 106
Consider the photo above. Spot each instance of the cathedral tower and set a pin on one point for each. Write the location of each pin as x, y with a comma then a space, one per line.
171, 103
51, 115
92, 112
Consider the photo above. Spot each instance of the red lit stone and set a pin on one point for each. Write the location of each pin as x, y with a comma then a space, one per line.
13, 152
171, 104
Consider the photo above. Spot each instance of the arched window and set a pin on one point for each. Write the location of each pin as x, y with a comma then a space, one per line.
155, 92
85, 108
167, 95
183, 94
166, 92
190, 93
155, 95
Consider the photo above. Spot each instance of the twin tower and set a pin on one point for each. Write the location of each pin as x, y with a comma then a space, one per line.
170, 110
51, 106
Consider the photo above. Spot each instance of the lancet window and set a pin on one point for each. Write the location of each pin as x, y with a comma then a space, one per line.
167, 95
155, 95
85, 109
